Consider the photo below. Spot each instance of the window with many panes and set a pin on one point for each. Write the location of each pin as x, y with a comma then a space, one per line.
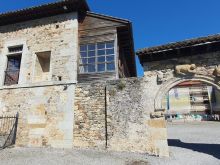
99, 57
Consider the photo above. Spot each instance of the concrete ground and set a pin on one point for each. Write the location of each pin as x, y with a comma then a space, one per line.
195, 143
190, 144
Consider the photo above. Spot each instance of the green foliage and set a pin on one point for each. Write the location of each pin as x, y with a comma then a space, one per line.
112, 92
121, 85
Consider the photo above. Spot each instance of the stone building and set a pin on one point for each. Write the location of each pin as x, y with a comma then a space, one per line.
184, 77
66, 72
44, 52
70, 74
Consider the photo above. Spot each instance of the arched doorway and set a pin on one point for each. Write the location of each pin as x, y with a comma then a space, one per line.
192, 106
165, 101
192, 100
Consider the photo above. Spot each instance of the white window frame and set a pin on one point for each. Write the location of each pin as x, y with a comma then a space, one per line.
96, 57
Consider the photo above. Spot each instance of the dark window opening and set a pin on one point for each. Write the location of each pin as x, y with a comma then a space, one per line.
13, 70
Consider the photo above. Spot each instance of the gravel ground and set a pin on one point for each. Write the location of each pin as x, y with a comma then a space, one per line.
190, 144
39, 156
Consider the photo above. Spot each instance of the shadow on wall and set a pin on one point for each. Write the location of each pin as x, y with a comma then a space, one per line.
53, 21
211, 149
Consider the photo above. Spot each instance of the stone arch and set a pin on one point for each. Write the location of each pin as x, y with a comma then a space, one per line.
169, 84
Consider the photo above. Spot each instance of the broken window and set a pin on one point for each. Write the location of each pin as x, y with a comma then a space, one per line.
42, 66
99, 57
13, 65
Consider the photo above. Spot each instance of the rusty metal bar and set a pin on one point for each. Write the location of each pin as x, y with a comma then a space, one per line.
11, 77
8, 128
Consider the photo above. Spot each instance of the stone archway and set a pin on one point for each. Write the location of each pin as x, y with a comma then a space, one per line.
166, 86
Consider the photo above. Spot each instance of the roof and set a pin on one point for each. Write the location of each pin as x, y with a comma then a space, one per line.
107, 17
163, 50
46, 10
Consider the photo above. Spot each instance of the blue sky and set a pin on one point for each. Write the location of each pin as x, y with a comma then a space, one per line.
155, 22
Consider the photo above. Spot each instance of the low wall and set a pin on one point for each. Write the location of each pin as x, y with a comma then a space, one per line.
113, 115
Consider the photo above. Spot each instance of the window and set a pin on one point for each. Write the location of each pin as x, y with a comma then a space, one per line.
42, 66
99, 57
15, 49
13, 65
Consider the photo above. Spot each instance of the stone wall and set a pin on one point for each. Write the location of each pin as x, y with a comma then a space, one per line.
161, 76
205, 63
127, 118
113, 115
109, 115
44, 116
89, 127
57, 34
130, 125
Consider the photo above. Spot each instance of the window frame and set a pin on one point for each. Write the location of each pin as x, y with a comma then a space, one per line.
35, 56
96, 63
9, 55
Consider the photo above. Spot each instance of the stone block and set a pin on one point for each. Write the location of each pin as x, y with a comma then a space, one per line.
35, 142
61, 143
33, 126
35, 119
158, 133
162, 148
36, 132
157, 123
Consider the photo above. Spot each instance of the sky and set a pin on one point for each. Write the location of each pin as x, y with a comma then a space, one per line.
155, 22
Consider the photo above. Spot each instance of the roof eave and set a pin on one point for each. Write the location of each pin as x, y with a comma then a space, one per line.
107, 17
46, 10
180, 45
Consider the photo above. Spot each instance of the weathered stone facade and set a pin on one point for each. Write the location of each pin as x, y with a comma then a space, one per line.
44, 116
54, 112
58, 34
205, 67
89, 125
113, 115
45, 108
130, 125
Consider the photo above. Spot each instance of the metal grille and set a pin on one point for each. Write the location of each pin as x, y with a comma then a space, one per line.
8, 129
11, 77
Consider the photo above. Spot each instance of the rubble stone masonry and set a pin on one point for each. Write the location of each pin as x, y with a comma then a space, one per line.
113, 115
